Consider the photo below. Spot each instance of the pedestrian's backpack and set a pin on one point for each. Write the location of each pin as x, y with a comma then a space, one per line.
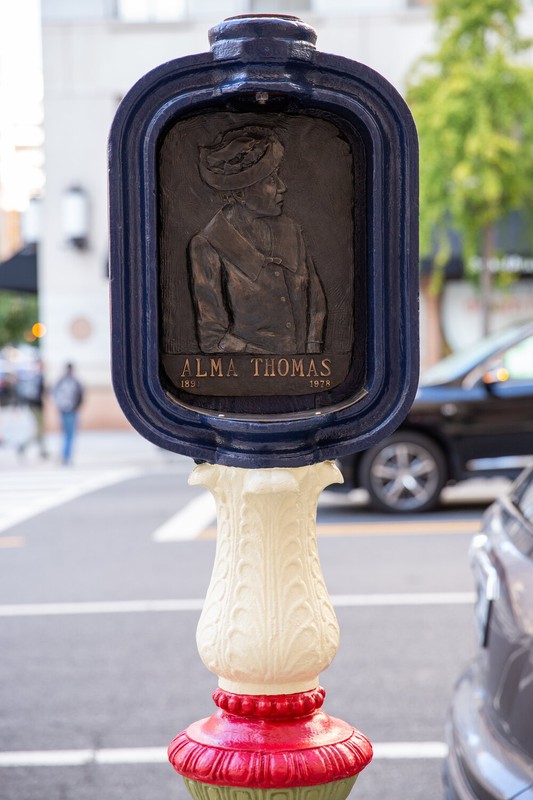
67, 394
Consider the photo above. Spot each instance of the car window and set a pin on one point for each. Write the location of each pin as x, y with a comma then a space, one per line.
463, 361
518, 361
510, 367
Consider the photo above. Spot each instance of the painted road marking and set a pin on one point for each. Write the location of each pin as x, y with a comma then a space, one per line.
403, 750
158, 755
105, 607
403, 599
188, 523
196, 518
196, 604
393, 528
25, 494
397, 527
12, 541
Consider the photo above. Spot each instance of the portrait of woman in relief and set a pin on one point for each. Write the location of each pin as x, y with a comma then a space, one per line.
254, 284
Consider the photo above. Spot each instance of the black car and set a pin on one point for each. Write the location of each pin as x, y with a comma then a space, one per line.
490, 732
472, 415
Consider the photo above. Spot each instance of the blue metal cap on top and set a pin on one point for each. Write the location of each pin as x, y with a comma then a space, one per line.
286, 36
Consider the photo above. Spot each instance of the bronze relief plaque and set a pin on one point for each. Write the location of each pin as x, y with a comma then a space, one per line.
261, 261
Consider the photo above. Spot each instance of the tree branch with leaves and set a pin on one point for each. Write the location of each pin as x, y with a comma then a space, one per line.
472, 101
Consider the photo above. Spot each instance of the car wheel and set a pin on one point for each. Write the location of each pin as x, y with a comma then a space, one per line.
405, 473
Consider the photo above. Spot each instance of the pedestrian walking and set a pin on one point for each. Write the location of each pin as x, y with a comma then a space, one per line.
68, 396
31, 391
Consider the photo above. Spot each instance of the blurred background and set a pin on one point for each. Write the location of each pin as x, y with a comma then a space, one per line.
103, 567
66, 64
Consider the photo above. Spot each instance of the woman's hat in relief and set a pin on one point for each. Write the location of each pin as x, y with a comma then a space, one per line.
240, 158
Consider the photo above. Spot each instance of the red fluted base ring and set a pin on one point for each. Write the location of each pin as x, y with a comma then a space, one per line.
269, 742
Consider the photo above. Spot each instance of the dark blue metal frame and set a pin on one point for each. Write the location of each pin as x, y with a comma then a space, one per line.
241, 64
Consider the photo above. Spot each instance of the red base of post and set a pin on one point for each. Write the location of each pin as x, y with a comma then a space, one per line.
268, 742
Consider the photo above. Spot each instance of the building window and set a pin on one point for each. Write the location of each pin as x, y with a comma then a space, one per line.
151, 10
279, 6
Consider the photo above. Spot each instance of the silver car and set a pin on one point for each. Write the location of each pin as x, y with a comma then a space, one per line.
490, 732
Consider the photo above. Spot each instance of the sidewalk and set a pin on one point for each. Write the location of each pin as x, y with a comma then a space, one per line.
92, 449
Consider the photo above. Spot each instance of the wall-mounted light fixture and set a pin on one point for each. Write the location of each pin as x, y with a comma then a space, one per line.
75, 217
31, 222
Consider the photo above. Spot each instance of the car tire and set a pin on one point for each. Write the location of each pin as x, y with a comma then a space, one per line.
403, 474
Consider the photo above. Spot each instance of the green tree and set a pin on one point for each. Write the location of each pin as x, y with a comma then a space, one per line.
18, 313
472, 101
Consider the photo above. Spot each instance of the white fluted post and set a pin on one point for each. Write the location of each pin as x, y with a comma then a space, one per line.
267, 630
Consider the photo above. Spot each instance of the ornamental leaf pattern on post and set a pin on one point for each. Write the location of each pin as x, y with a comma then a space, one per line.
267, 625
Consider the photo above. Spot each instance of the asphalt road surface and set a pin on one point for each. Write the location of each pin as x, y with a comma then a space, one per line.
100, 593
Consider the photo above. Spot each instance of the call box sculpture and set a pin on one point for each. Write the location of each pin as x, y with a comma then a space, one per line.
264, 307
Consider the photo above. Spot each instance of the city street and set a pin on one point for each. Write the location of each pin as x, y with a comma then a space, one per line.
266, 234
103, 568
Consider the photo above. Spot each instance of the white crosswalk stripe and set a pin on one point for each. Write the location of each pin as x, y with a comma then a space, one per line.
158, 755
196, 604
27, 492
